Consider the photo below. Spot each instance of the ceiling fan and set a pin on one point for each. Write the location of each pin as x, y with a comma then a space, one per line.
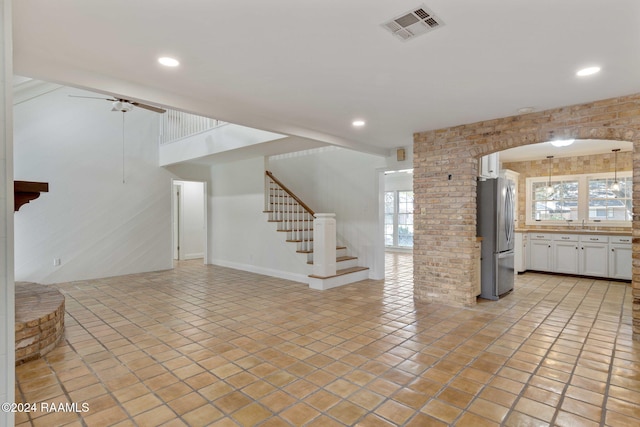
124, 105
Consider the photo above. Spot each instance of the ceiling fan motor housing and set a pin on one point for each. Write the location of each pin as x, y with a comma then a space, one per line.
122, 106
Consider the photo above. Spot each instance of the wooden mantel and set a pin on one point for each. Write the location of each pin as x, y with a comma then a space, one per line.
26, 191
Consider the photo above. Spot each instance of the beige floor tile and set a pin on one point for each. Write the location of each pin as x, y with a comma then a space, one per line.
206, 345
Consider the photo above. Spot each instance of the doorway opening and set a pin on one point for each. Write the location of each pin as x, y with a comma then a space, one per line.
189, 213
395, 207
397, 197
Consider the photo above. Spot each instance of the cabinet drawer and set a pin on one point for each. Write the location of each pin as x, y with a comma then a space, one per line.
540, 236
594, 239
620, 239
565, 237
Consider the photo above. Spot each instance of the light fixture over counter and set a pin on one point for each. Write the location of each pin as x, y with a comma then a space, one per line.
615, 186
549, 186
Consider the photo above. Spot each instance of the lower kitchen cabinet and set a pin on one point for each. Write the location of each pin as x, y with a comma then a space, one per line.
582, 254
620, 258
565, 250
594, 259
521, 259
540, 252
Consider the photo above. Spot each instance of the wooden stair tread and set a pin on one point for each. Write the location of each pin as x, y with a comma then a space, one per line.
298, 240
297, 229
310, 251
339, 259
340, 272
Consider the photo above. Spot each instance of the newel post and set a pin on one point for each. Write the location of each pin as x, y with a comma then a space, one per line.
324, 245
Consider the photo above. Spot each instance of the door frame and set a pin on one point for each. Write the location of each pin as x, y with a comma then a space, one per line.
177, 216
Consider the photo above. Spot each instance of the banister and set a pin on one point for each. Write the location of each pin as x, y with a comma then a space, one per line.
290, 193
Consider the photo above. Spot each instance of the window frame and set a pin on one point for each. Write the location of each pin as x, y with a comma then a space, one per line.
583, 199
396, 224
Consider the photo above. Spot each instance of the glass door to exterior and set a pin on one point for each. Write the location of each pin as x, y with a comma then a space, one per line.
398, 219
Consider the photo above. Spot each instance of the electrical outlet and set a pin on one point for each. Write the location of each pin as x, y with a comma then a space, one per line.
56, 262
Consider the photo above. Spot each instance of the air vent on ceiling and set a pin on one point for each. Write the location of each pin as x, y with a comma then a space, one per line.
413, 23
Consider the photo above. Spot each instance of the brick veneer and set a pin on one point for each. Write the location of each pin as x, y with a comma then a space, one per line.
39, 320
599, 163
445, 170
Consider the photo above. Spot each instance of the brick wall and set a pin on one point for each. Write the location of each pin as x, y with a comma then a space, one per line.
600, 163
445, 170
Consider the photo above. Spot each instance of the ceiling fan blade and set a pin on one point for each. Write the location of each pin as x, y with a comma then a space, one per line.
149, 107
126, 101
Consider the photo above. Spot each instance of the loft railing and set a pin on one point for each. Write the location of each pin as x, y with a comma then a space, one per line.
175, 125
294, 216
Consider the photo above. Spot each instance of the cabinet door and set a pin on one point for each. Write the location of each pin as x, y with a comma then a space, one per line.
489, 165
620, 261
594, 259
539, 255
565, 257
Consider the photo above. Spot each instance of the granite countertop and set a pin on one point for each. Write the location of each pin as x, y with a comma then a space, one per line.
573, 231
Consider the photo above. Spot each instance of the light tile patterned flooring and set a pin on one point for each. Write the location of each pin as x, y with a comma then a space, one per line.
204, 345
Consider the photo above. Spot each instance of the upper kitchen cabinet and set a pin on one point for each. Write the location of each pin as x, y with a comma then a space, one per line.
489, 166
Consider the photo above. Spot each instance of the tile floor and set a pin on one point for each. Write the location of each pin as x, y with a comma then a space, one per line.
204, 345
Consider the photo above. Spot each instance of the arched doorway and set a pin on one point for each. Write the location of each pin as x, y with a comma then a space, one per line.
445, 171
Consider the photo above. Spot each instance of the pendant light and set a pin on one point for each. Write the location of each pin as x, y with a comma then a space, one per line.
616, 185
549, 186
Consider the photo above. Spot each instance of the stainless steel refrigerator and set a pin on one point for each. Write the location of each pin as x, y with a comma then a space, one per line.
497, 229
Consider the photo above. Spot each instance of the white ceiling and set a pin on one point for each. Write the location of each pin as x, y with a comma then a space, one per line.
308, 68
583, 147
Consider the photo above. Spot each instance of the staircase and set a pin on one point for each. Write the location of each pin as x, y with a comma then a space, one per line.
295, 218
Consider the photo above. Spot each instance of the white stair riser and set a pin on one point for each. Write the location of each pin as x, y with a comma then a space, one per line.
334, 282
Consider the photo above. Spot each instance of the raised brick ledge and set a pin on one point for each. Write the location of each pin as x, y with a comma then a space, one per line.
39, 320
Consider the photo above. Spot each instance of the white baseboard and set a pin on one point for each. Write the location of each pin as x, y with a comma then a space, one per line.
295, 277
194, 256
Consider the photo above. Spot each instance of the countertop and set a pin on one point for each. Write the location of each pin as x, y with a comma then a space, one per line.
573, 231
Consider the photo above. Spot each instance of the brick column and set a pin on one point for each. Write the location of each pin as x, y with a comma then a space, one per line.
445, 169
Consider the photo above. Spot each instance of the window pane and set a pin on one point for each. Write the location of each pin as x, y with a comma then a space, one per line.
558, 202
608, 203
389, 202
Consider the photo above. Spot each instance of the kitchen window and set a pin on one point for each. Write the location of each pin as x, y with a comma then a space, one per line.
574, 198
398, 219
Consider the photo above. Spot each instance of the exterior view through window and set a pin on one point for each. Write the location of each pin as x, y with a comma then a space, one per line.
581, 197
398, 218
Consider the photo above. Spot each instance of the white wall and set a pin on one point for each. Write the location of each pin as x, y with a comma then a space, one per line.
239, 234
94, 223
7, 314
192, 219
344, 182
398, 181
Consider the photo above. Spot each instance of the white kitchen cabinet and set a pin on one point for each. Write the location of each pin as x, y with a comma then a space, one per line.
582, 254
489, 165
620, 257
540, 252
594, 256
520, 253
565, 253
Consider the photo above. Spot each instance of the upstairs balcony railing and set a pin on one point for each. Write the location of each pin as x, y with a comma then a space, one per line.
176, 125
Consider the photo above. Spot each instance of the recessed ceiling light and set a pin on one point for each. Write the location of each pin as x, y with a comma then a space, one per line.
526, 110
358, 123
168, 62
587, 71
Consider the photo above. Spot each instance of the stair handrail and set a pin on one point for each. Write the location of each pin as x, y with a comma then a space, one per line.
290, 193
